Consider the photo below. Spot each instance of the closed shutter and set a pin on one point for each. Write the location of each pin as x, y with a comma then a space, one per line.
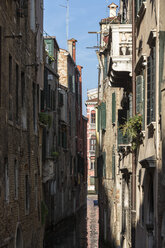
103, 115
113, 107
139, 94
113, 162
151, 90
50, 47
143, 105
104, 164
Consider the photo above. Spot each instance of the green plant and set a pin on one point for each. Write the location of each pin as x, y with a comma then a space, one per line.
45, 119
55, 154
133, 128
51, 59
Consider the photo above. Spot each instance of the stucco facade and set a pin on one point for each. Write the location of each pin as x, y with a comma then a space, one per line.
91, 104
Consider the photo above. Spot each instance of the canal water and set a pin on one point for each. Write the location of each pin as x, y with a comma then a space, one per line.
80, 232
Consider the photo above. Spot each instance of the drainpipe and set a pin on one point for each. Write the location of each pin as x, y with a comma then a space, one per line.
133, 231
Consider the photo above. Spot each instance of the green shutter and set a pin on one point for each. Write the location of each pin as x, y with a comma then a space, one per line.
139, 94
113, 162
113, 107
50, 46
104, 164
98, 119
143, 105
103, 115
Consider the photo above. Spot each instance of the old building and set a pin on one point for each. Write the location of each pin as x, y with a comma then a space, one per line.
91, 136
114, 159
130, 125
21, 70
149, 81
48, 118
72, 143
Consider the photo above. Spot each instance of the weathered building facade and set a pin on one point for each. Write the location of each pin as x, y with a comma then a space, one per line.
21, 67
71, 124
130, 157
48, 118
149, 67
113, 148
91, 136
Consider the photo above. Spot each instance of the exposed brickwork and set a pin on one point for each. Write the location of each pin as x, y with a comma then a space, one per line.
18, 144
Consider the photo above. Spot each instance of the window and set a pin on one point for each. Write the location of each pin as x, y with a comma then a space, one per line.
64, 136
32, 15
93, 143
104, 164
10, 89
113, 108
151, 87
93, 120
10, 74
60, 99
16, 179
0, 63
34, 108
6, 179
23, 101
138, 4
103, 115
17, 91
113, 162
26, 193
140, 97
36, 191
92, 167
22, 89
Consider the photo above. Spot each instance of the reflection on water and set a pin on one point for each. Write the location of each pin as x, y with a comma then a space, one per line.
80, 232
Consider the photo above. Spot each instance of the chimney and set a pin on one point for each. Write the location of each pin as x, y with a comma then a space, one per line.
72, 48
112, 10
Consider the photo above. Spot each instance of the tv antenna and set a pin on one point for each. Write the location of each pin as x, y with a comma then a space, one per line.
67, 20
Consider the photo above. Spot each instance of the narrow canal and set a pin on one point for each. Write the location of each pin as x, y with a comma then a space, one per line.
82, 232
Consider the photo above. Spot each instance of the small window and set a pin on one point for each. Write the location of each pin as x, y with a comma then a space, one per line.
36, 191
93, 143
93, 117
92, 167
6, 180
17, 91
27, 193
16, 179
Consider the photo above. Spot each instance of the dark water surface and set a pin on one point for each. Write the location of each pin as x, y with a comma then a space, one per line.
80, 232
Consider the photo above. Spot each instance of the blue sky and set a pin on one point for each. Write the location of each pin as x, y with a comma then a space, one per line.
84, 16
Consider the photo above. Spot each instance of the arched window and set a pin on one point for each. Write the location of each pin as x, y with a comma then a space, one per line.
93, 116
